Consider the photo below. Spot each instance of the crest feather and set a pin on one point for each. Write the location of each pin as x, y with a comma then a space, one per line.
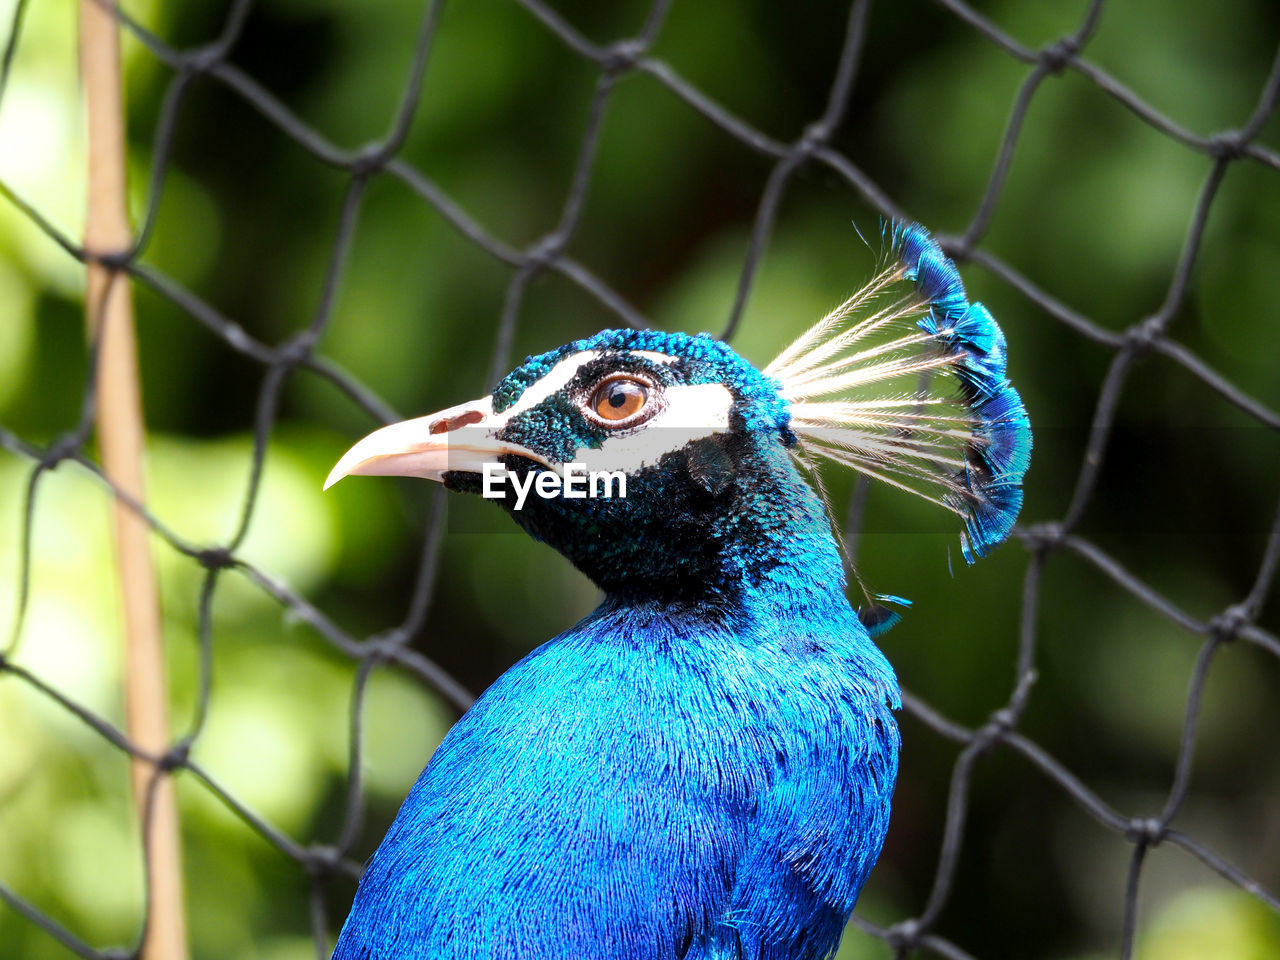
946, 423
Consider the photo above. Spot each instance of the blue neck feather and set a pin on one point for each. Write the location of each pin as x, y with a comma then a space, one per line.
725, 525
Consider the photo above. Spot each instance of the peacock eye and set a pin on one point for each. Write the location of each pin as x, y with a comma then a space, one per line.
619, 399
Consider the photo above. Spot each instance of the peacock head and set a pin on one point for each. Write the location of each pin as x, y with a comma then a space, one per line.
631, 452
666, 463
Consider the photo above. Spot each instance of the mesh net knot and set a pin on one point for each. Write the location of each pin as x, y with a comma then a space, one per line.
215, 558
1227, 625
175, 758
370, 159
813, 139
201, 60
115, 260
1141, 337
621, 56
1057, 56
542, 254
905, 936
1229, 145
998, 726
1145, 830
382, 647
297, 349
1043, 537
61, 449
322, 860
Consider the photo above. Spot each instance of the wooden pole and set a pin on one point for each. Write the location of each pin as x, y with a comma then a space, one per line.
121, 441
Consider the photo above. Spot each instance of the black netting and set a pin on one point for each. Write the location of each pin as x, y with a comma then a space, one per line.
211, 64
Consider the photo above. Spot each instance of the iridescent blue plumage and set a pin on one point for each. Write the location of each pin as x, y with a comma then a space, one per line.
654, 783
702, 768
994, 471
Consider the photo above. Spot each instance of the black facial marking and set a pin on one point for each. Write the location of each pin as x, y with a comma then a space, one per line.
710, 467
591, 373
556, 428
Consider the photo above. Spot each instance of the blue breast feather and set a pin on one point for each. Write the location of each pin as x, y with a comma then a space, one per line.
647, 786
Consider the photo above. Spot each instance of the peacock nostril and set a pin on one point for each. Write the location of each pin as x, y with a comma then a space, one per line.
445, 424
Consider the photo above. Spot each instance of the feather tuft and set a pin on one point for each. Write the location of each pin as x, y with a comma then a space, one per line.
878, 618
948, 426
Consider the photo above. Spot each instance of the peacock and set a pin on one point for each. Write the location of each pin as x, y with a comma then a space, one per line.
702, 767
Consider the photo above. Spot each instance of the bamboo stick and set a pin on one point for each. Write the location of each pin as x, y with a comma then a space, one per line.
121, 442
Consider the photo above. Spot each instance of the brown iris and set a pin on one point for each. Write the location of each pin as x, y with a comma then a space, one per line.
619, 399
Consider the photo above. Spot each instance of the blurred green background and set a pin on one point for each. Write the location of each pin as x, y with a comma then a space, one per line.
1095, 211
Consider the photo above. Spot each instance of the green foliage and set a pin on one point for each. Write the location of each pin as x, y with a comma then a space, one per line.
1094, 211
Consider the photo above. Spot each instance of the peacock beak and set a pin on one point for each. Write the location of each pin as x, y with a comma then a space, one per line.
459, 439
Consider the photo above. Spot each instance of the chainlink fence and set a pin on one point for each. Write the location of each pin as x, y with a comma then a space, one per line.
323, 859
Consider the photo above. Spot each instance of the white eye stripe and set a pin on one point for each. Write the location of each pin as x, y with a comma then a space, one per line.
652, 356
558, 377
690, 412
553, 380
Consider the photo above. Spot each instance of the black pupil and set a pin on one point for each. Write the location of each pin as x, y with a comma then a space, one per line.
618, 396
